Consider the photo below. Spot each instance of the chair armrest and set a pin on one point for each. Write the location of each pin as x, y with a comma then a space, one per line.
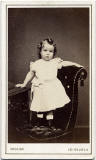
14, 91
81, 75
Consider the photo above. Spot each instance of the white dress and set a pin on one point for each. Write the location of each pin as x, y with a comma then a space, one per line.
48, 91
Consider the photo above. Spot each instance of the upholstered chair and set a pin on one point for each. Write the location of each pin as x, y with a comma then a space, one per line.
64, 118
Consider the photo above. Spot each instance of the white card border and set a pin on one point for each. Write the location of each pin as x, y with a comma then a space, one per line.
4, 83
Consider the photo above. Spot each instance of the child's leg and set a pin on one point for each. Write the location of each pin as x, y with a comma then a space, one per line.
50, 117
35, 119
40, 118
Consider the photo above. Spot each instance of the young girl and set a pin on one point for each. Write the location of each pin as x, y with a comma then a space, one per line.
47, 90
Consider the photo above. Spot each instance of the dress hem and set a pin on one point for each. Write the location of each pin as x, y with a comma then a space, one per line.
49, 109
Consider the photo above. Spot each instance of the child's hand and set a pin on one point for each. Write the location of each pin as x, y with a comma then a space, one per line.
22, 85
78, 65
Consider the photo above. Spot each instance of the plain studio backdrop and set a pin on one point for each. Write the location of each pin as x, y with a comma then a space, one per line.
69, 27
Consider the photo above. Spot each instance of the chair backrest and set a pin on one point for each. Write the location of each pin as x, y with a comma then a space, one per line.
69, 76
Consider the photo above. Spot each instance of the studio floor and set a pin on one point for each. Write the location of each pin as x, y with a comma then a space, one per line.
79, 135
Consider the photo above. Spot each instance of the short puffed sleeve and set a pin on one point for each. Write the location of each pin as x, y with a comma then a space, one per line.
59, 62
32, 66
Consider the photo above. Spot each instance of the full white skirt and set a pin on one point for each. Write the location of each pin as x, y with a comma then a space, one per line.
49, 96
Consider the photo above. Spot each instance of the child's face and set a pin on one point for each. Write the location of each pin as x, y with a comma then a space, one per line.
47, 52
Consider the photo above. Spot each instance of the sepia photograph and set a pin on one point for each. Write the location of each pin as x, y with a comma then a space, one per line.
48, 102
48, 65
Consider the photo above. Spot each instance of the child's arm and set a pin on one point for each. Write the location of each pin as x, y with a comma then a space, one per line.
28, 78
68, 63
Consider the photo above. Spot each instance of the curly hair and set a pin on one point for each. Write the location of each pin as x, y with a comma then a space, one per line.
49, 41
